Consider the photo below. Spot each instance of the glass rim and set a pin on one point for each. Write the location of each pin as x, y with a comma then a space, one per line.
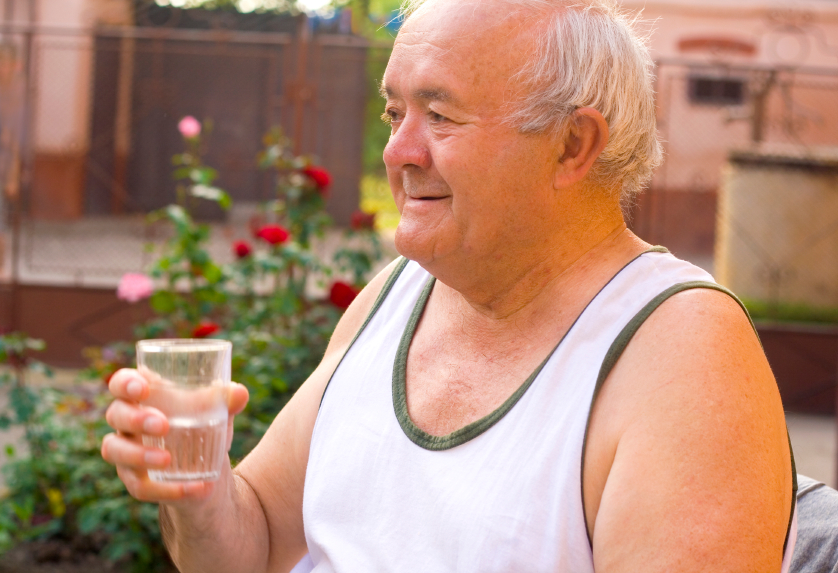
175, 344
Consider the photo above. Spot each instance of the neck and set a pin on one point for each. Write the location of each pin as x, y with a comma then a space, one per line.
512, 285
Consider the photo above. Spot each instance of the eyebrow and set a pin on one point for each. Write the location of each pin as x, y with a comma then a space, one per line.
433, 94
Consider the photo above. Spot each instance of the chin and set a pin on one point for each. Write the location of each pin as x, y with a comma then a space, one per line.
406, 243
413, 244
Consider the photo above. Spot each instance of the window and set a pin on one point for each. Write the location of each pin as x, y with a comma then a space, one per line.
716, 91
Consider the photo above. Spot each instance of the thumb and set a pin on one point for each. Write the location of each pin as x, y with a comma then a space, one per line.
237, 397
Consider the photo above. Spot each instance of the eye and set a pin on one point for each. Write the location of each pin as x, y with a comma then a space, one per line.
390, 116
437, 118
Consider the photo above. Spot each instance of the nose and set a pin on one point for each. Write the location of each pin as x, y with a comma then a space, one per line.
408, 145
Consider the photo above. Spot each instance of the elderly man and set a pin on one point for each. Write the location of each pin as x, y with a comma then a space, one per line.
532, 387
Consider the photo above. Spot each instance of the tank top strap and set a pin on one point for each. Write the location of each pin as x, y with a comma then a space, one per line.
621, 342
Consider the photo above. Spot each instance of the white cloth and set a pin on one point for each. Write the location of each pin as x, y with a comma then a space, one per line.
510, 498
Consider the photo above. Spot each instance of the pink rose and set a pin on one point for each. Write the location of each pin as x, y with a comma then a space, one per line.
189, 127
134, 287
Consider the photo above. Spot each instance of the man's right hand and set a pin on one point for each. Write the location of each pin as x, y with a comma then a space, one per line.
132, 459
251, 519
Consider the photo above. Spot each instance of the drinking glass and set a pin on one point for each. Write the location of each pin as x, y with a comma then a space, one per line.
187, 383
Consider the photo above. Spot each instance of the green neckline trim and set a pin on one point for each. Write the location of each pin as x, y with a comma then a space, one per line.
385, 290
616, 350
415, 433
458, 437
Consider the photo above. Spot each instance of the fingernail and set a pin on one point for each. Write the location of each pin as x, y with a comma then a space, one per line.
135, 389
153, 425
155, 458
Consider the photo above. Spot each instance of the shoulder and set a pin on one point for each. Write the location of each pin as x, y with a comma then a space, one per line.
688, 443
276, 467
357, 313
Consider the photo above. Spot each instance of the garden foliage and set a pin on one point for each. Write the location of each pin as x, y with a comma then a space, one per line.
278, 302
60, 487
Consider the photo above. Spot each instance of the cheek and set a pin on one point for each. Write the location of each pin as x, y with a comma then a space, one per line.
396, 188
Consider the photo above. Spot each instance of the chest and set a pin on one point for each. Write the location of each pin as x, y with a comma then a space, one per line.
502, 498
452, 379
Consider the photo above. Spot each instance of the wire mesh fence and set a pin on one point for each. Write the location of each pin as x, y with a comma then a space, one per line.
89, 120
715, 122
88, 117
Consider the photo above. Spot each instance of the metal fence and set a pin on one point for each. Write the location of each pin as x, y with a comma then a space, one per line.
705, 112
93, 116
95, 112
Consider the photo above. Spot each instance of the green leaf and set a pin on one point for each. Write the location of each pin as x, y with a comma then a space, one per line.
182, 173
41, 368
10, 449
163, 302
211, 194
35, 344
203, 175
178, 215
24, 512
212, 273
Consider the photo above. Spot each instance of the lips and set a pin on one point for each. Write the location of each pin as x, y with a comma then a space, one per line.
427, 197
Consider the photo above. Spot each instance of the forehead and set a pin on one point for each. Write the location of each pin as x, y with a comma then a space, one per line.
459, 49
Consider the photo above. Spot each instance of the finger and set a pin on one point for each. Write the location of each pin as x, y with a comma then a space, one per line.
141, 487
229, 433
237, 397
121, 451
129, 418
128, 384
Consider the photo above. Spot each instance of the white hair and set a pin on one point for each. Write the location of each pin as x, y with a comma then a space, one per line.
590, 54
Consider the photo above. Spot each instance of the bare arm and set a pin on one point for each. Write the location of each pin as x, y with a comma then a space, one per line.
689, 467
250, 520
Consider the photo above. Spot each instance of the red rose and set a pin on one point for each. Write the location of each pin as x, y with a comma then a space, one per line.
242, 249
273, 234
320, 176
342, 294
205, 329
361, 220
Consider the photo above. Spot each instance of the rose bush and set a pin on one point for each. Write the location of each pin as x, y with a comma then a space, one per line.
277, 301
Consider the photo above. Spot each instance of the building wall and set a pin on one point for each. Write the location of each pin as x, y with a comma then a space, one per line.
61, 66
779, 34
734, 41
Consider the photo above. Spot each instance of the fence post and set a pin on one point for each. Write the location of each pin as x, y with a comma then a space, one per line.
301, 90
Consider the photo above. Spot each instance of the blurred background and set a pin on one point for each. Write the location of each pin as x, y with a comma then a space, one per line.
91, 93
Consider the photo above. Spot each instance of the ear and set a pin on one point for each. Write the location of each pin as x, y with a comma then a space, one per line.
586, 137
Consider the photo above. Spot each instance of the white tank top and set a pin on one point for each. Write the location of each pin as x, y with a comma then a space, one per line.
502, 494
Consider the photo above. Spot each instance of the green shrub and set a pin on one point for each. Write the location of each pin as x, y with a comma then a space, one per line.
278, 302
61, 487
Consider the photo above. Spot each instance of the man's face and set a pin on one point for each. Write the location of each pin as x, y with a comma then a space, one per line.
467, 185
